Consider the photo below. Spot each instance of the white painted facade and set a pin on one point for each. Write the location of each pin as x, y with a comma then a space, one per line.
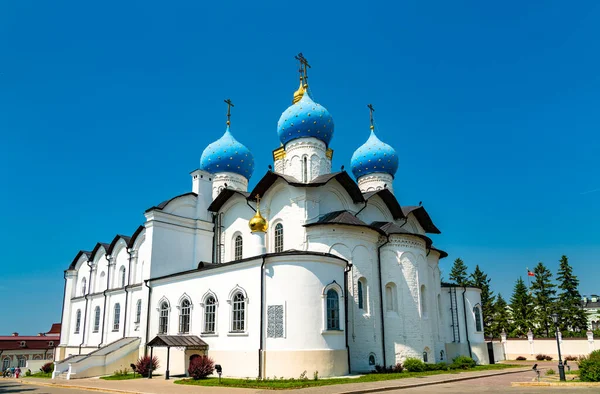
385, 280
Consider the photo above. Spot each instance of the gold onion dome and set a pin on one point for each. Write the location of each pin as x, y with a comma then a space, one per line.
298, 93
258, 224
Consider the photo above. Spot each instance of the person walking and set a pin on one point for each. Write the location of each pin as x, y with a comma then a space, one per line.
17, 372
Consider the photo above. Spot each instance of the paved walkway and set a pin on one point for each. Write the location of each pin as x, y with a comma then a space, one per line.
161, 386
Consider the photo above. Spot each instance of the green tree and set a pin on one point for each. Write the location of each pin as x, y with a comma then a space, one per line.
481, 280
521, 307
572, 315
500, 320
458, 274
544, 295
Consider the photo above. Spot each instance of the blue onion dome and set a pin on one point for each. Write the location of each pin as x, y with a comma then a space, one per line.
374, 156
303, 119
227, 155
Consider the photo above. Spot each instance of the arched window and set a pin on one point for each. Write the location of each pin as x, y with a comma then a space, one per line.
424, 310
239, 309
163, 319
371, 359
5, 363
425, 356
333, 310
22, 362
360, 295
37, 357
279, 238
184, 317
477, 312
391, 302
210, 311
96, 319
238, 247
138, 311
117, 317
305, 169
122, 276
77, 321
83, 286
363, 300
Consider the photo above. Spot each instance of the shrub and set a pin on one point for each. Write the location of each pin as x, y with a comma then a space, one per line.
414, 365
316, 375
521, 358
201, 367
379, 369
47, 368
548, 358
302, 376
398, 368
595, 355
462, 362
550, 372
121, 372
589, 370
571, 358
441, 366
540, 357
28, 373
143, 365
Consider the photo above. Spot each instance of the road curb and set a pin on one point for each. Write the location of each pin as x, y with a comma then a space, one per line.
554, 384
72, 386
414, 385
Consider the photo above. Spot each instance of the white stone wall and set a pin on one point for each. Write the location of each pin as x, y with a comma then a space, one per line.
309, 152
228, 180
375, 181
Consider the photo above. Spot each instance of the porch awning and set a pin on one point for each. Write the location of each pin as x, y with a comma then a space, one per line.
186, 341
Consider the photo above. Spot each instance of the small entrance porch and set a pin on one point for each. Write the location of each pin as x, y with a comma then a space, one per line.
192, 346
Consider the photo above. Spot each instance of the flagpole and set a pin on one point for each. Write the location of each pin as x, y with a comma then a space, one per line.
528, 284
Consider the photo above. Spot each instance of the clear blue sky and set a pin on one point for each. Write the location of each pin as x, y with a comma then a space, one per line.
106, 108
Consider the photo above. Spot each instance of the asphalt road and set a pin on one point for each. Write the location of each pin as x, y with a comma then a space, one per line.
8, 386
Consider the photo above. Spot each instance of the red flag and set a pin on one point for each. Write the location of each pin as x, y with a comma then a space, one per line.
529, 273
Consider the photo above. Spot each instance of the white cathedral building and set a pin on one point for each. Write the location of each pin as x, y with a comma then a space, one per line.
308, 271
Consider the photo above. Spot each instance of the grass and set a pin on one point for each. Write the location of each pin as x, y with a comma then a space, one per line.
282, 384
42, 375
123, 377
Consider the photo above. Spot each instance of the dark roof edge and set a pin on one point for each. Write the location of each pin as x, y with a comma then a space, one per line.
163, 204
135, 236
97, 248
442, 253
446, 284
116, 239
77, 256
204, 266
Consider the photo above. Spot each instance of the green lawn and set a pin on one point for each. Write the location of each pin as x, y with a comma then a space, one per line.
123, 377
282, 384
39, 375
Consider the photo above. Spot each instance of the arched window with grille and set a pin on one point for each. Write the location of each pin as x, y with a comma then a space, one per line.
117, 317
83, 286
305, 169
333, 310
77, 321
279, 238
238, 318
138, 311
238, 248
363, 300
122, 276
210, 313
184, 317
360, 295
96, 319
163, 319
22, 362
477, 313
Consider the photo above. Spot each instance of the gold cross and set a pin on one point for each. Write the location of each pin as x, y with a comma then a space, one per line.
229, 105
304, 66
371, 110
258, 201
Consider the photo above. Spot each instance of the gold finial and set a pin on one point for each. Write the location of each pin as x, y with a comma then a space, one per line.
371, 110
258, 224
229, 105
298, 93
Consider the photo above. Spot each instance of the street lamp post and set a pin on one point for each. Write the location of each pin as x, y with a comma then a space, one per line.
561, 367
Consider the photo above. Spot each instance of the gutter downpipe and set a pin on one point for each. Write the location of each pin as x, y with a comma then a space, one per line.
381, 297
262, 318
466, 327
126, 293
62, 312
104, 308
346, 271
87, 291
147, 316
